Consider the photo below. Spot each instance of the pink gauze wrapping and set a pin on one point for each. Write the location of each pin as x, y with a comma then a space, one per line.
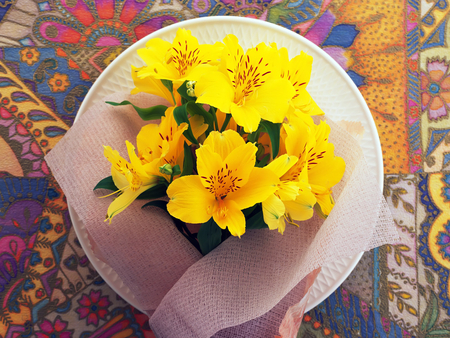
248, 287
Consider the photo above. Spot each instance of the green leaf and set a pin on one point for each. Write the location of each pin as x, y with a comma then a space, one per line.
157, 191
147, 114
247, 212
273, 129
182, 90
209, 236
196, 109
188, 163
180, 114
438, 334
263, 162
256, 221
157, 203
168, 84
431, 313
176, 170
106, 183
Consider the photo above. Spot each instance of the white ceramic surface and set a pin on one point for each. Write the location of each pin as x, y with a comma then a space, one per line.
330, 86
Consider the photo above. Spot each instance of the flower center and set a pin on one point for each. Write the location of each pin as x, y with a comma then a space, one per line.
94, 308
223, 183
434, 88
184, 59
249, 78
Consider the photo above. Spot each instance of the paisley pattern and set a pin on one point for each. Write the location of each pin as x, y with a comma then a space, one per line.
397, 54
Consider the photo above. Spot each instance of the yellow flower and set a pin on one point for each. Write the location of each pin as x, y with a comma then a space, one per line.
324, 168
131, 178
163, 144
183, 59
247, 86
317, 167
227, 182
298, 72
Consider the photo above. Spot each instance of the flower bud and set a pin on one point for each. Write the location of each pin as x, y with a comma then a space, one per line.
166, 169
190, 92
190, 84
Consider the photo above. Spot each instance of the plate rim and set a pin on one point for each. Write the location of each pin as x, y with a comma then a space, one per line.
312, 302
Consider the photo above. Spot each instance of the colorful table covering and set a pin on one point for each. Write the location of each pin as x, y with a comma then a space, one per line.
396, 52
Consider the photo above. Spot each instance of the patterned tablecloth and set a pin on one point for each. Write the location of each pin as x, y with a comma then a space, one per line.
396, 52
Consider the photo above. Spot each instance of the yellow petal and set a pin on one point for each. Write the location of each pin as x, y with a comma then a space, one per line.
215, 89
245, 116
189, 200
196, 73
154, 51
225, 142
148, 141
282, 164
228, 215
326, 203
300, 137
241, 162
271, 100
288, 190
305, 104
273, 212
328, 172
134, 160
209, 164
303, 207
198, 125
232, 52
149, 85
117, 162
261, 184
123, 201
300, 68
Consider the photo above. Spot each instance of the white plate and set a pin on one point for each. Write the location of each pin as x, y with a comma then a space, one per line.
330, 86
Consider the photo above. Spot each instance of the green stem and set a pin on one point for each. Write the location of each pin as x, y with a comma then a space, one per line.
225, 123
213, 112
173, 98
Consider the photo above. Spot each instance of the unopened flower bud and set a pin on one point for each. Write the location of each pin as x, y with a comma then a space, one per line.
191, 92
166, 169
190, 84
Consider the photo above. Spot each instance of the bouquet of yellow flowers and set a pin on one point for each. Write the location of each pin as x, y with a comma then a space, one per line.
235, 147
222, 143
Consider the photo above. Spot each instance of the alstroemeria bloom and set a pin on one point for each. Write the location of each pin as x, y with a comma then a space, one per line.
298, 72
163, 144
131, 178
293, 198
324, 168
183, 59
227, 182
247, 86
317, 164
